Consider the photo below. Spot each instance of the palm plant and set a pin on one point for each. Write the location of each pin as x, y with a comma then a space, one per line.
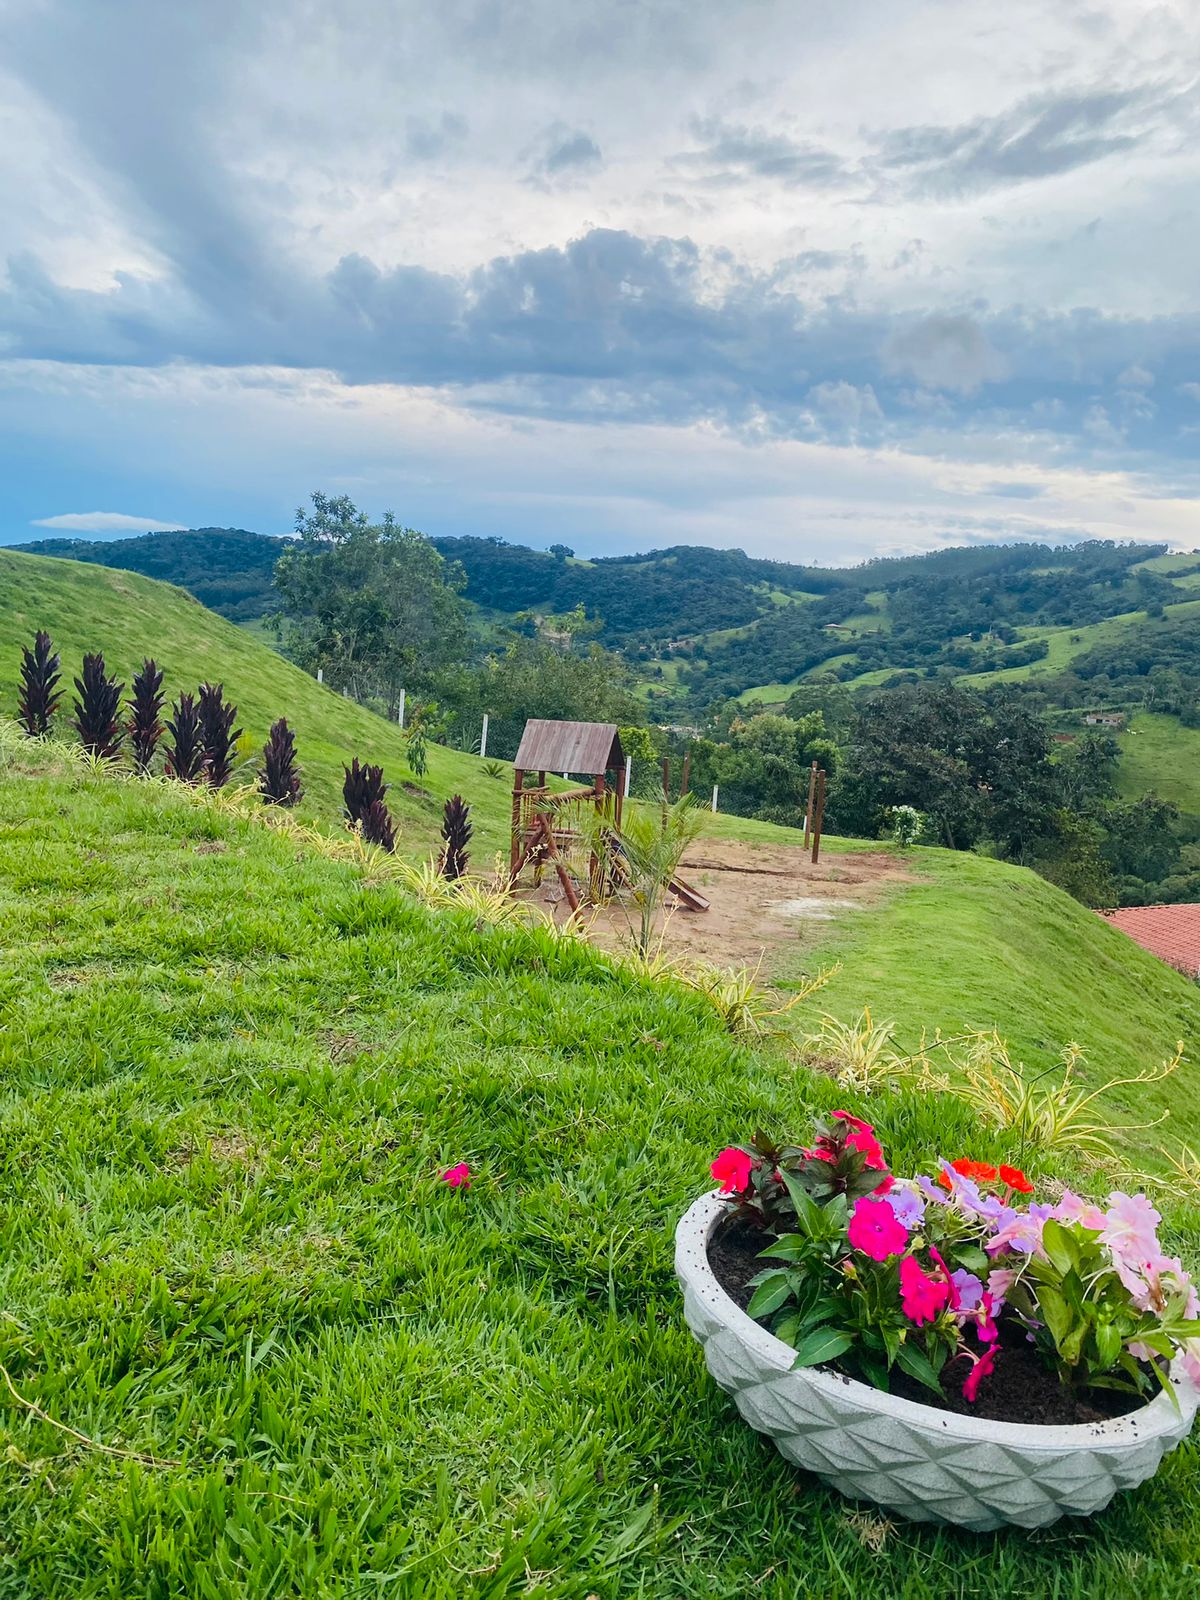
217, 733
185, 753
38, 698
145, 709
96, 706
279, 777
456, 835
645, 855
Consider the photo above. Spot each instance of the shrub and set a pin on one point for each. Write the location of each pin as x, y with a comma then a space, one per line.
377, 827
38, 698
99, 700
217, 733
877, 1272
456, 834
185, 753
362, 787
145, 708
279, 778
907, 826
416, 753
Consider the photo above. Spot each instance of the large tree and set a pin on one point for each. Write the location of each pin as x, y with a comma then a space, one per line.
372, 604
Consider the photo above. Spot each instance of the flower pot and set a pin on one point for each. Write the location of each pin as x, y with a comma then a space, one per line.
919, 1462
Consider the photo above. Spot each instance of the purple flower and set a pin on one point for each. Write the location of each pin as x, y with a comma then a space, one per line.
969, 1289
908, 1206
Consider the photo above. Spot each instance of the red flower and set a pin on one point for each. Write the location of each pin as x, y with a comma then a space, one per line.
861, 1136
732, 1170
921, 1296
1016, 1179
979, 1171
876, 1230
458, 1177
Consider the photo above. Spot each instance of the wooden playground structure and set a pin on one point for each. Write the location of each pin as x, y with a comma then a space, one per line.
542, 818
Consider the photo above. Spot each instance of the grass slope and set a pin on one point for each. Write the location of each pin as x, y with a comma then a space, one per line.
1064, 644
88, 607
234, 1077
1159, 754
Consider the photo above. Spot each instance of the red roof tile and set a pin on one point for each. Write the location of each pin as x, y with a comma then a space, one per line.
1172, 933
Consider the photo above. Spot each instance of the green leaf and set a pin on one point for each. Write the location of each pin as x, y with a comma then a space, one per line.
912, 1359
769, 1295
788, 1247
1054, 1313
809, 1216
1059, 1246
822, 1344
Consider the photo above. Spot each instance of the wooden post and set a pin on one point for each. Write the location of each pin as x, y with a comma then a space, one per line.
687, 771
818, 816
518, 785
808, 810
623, 791
595, 887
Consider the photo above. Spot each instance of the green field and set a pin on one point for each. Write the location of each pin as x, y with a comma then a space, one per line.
233, 1073
1064, 644
1159, 754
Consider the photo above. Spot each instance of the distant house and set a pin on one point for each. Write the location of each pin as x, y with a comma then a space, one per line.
1105, 719
1064, 738
1172, 933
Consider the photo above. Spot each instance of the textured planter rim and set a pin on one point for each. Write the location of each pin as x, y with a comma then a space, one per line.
1158, 1417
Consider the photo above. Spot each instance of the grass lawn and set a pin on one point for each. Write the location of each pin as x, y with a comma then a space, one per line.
1158, 753
232, 1073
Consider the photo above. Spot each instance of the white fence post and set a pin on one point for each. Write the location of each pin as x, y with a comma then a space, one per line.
714, 797
320, 674
628, 772
400, 712
483, 738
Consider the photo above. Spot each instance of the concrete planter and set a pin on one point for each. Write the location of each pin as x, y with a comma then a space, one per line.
918, 1462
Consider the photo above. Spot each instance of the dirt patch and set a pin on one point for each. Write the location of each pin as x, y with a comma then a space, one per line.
765, 901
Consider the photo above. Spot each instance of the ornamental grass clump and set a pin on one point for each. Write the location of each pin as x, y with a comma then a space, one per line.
279, 777
961, 1287
185, 753
217, 733
362, 787
97, 703
38, 695
145, 710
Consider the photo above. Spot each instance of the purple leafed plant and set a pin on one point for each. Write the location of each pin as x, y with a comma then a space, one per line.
376, 826
363, 786
96, 706
456, 835
38, 697
145, 710
185, 753
217, 732
279, 776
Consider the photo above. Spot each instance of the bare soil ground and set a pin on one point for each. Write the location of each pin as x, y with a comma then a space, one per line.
766, 901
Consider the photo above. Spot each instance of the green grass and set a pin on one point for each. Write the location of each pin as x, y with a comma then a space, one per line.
1158, 753
127, 617
232, 1073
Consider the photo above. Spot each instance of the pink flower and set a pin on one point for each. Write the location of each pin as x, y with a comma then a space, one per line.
988, 1331
732, 1170
1131, 1227
982, 1369
968, 1290
458, 1177
1071, 1208
921, 1296
876, 1230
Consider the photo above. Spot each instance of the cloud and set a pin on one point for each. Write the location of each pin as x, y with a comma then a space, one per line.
110, 522
729, 152
945, 352
563, 155
1039, 137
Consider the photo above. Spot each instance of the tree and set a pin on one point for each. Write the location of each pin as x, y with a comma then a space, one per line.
561, 552
372, 604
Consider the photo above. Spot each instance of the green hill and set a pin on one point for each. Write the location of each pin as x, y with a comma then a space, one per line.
238, 1074
86, 607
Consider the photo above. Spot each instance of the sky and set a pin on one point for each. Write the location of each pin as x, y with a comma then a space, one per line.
820, 280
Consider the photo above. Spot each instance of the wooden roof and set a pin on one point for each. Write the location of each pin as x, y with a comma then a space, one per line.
589, 747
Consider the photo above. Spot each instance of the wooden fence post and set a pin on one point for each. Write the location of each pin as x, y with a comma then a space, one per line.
818, 816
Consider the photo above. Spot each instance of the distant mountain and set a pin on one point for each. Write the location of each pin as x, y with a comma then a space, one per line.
227, 569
